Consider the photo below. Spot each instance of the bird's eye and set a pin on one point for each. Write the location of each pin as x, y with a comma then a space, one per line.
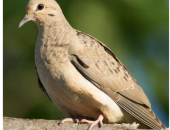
40, 7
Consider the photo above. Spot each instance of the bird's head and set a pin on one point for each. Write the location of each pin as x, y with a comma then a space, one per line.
42, 12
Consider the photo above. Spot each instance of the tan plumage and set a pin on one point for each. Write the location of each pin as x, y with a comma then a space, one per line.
83, 77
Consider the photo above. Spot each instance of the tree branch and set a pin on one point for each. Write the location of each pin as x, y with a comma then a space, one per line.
40, 124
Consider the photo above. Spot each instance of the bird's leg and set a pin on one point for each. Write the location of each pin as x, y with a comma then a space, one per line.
93, 123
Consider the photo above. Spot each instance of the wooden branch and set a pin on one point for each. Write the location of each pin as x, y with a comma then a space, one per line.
40, 124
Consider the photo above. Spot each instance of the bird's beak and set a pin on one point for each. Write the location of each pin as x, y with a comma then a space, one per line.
27, 18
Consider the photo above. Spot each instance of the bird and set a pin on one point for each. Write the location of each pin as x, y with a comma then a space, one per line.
82, 76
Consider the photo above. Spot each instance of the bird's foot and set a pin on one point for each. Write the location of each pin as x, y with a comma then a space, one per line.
68, 120
84, 120
93, 123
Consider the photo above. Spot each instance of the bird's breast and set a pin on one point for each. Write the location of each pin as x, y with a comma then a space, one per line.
52, 63
51, 59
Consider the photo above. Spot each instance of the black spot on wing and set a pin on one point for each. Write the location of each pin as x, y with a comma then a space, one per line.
51, 14
85, 76
81, 62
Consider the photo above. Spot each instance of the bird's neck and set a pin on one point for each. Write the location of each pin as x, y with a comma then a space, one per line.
53, 41
56, 34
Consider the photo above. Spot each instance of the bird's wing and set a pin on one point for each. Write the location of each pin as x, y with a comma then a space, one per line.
41, 85
99, 65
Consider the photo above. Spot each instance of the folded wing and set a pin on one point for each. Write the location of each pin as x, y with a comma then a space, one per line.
99, 65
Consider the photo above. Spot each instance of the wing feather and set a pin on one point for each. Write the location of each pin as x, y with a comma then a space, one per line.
99, 65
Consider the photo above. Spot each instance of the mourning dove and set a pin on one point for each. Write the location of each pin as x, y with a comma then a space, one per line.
82, 76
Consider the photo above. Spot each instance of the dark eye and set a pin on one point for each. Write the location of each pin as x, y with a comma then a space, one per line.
40, 7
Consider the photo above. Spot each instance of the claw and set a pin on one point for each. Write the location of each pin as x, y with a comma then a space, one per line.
98, 121
93, 123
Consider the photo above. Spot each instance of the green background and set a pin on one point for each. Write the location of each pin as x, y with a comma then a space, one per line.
136, 31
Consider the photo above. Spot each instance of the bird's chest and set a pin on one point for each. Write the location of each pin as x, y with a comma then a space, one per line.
51, 62
52, 66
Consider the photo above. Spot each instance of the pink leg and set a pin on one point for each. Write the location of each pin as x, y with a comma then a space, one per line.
94, 123
63, 120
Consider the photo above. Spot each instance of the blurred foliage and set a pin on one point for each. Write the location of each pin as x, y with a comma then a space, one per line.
136, 31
